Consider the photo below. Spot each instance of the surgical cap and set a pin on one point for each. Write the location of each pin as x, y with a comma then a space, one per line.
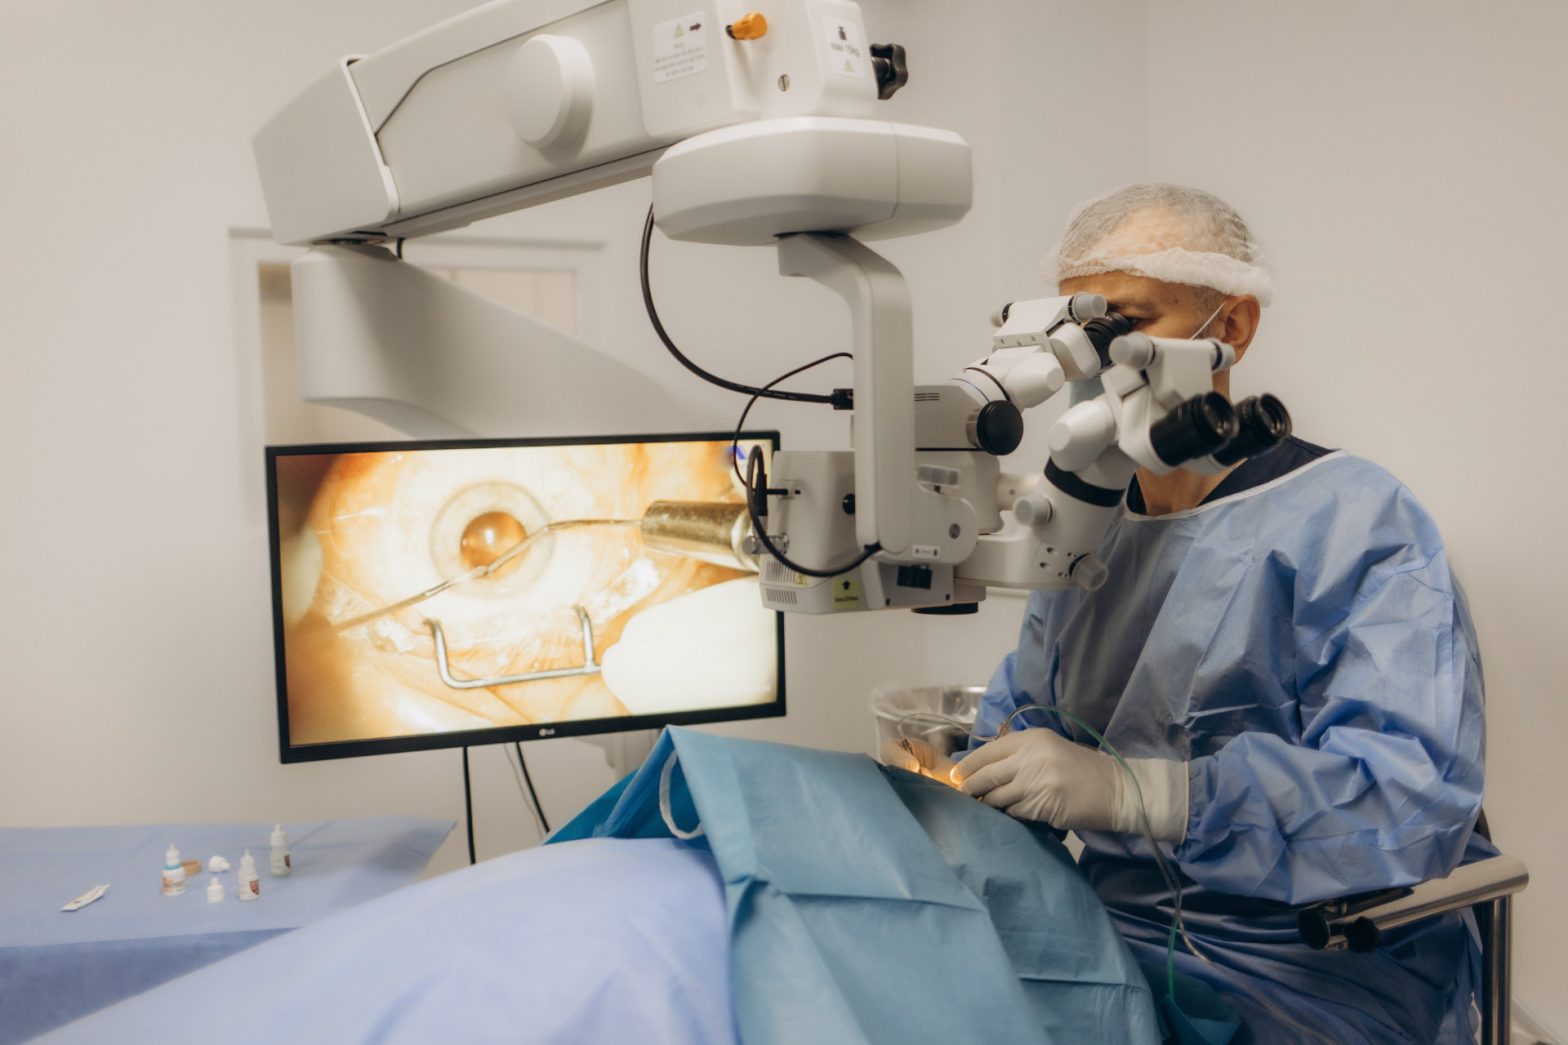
1165, 232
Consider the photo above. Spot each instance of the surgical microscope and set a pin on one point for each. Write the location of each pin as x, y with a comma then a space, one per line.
758, 127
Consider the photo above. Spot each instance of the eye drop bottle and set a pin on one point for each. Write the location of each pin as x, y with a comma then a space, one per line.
249, 884
173, 872
281, 862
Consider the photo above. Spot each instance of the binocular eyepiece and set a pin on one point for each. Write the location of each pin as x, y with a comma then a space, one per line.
1262, 423
1196, 428
1102, 331
1207, 424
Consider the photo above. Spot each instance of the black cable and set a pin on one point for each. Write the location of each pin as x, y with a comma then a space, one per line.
767, 391
522, 790
735, 440
753, 467
539, 809
680, 357
468, 807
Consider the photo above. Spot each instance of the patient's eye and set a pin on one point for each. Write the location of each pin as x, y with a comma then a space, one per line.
489, 536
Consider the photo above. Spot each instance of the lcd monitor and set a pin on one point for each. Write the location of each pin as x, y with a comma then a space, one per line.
456, 593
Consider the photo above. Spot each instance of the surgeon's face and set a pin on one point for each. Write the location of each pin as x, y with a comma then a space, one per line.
1173, 310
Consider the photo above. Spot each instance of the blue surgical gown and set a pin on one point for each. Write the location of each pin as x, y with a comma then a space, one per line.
1300, 641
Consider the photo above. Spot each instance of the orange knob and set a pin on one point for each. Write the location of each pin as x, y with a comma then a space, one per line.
748, 27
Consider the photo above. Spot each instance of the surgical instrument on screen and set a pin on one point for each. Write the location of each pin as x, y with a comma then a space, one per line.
716, 532
480, 572
589, 666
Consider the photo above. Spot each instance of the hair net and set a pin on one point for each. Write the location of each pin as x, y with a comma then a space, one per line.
1165, 232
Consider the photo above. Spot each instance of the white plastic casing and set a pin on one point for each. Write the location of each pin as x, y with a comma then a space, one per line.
549, 91
754, 182
320, 168
517, 102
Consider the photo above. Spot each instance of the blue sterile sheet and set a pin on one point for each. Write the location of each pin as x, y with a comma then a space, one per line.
56, 966
871, 905
828, 899
599, 941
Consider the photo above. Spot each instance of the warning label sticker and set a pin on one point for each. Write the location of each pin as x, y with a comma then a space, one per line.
680, 47
846, 593
846, 52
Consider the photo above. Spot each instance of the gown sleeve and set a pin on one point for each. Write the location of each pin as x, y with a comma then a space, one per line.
1020, 679
1384, 784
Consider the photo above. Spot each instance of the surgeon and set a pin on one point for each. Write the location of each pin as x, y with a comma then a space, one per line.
1286, 661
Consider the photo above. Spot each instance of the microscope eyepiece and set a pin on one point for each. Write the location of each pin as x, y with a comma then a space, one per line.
1194, 429
1262, 423
1102, 331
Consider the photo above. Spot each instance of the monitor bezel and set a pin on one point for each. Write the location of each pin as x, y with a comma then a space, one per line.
288, 753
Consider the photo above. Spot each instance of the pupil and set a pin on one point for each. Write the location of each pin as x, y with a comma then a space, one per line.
488, 537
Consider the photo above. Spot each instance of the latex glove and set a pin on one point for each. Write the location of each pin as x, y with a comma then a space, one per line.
918, 757
1037, 774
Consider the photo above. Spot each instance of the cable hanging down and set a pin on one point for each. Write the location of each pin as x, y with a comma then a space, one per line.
839, 399
766, 392
754, 470
756, 480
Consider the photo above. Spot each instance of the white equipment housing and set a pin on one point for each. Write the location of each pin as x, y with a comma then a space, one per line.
750, 139
522, 101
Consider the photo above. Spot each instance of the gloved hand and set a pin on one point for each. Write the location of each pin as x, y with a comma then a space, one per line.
1037, 774
918, 757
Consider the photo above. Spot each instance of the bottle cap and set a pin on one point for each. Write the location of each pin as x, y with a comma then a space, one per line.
278, 837
171, 858
247, 863
214, 891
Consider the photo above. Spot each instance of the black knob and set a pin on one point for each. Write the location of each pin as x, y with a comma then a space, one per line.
1262, 423
999, 428
1104, 330
888, 62
1196, 428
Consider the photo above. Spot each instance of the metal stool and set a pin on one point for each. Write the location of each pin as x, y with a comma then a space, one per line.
1486, 887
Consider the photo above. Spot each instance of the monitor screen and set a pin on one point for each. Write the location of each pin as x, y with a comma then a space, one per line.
440, 594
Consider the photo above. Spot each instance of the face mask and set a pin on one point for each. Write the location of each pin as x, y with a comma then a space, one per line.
1205, 324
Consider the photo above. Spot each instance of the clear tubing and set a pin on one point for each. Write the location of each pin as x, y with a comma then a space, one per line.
1172, 882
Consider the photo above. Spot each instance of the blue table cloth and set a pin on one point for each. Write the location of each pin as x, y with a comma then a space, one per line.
600, 941
57, 966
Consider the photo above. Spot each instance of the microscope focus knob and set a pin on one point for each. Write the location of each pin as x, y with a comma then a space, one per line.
891, 65
997, 428
1089, 572
549, 92
1033, 509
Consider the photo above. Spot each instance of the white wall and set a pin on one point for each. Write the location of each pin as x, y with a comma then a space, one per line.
1405, 161
139, 681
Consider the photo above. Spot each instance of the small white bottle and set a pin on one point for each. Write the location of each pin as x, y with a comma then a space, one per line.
281, 864
214, 890
173, 872
249, 885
